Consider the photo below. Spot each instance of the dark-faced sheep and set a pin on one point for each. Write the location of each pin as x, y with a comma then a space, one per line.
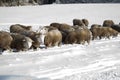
20, 42
35, 36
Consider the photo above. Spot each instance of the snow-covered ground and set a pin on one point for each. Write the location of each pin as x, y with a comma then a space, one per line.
98, 61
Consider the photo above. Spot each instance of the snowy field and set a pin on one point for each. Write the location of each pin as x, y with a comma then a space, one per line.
98, 61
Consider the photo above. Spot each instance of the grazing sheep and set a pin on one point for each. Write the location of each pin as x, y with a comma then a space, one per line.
64, 29
96, 31
65, 34
84, 35
78, 36
50, 38
112, 32
103, 32
71, 38
53, 38
35, 36
20, 42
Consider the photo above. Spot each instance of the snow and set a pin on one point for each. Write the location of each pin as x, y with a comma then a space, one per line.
100, 60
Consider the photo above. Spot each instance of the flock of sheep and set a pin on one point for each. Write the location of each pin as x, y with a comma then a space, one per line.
22, 38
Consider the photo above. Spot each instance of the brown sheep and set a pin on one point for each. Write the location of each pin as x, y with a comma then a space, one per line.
108, 23
78, 22
112, 32
53, 38
20, 42
71, 38
84, 35
16, 29
65, 34
35, 36
96, 31
64, 29
5, 41
85, 21
103, 32
78, 36
99, 32
107, 32
50, 38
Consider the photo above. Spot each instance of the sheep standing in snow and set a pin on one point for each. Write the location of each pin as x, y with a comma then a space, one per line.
50, 37
35, 36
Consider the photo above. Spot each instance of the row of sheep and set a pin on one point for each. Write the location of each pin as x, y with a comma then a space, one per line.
22, 38
79, 33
